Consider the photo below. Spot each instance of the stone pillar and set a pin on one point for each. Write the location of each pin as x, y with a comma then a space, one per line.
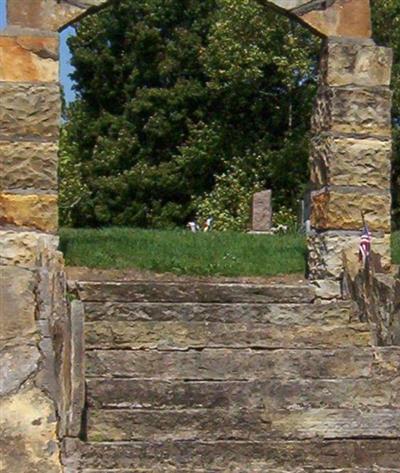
33, 324
351, 153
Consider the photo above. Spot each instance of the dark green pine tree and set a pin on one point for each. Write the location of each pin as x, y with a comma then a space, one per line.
169, 92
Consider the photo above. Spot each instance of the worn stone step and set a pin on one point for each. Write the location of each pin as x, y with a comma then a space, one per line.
277, 314
185, 335
274, 393
241, 456
245, 364
243, 469
193, 292
241, 424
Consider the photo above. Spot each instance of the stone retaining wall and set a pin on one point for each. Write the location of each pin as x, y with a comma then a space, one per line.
376, 295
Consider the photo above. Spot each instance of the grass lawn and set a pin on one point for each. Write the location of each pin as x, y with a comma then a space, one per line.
182, 252
396, 248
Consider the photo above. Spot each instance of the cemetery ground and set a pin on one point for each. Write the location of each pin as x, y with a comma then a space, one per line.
181, 252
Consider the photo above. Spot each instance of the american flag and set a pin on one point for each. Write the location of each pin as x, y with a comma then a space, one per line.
365, 244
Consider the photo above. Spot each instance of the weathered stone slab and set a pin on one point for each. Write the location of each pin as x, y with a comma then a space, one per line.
28, 433
29, 111
16, 365
193, 292
341, 210
280, 314
353, 63
262, 212
25, 249
353, 110
346, 18
28, 59
48, 14
273, 394
338, 161
243, 455
17, 315
185, 335
32, 211
326, 251
245, 364
28, 165
241, 424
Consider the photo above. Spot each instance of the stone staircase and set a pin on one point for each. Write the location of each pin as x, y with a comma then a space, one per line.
220, 377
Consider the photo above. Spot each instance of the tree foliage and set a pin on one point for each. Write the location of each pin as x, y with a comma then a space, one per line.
173, 93
386, 19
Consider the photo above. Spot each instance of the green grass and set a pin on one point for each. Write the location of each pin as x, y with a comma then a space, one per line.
182, 252
396, 248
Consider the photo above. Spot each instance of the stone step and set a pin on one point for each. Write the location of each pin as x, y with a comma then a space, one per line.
245, 364
240, 457
176, 292
242, 469
274, 394
185, 335
241, 424
339, 312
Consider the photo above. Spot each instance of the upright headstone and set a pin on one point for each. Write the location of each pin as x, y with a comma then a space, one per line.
262, 212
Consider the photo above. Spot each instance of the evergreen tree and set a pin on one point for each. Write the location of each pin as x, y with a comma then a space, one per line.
170, 94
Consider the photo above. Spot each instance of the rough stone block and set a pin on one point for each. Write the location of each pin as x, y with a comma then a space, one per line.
29, 110
338, 161
326, 249
17, 291
354, 63
25, 249
28, 427
16, 365
346, 18
262, 211
353, 110
48, 14
33, 211
28, 165
341, 210
28, 59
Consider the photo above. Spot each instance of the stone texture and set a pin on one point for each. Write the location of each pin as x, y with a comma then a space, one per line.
28, 165
338, 161
326, 251
353, 110
262, 211
29, 111
25, 249
377, 297
193, 292
17, 316
283, 315
345, 18
238, 424
48, 14
272, 395
334, 209
28, 433
345, 63
17, 364
34, 211
182, 336
244, 455
28, 59
242, 364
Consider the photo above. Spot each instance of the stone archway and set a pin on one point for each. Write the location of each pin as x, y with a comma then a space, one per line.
350, 172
